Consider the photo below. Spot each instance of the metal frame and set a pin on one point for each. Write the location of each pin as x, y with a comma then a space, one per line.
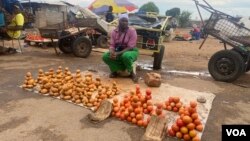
159, 31
224, 27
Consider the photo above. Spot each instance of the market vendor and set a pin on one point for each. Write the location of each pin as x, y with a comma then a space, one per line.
16, 25
196, 32
122, 51
13, 30
109, 16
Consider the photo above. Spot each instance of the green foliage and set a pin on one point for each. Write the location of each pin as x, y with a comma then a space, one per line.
149, 7
174, 12
184, 18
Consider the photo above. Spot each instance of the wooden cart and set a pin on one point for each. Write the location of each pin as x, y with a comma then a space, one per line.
228, 64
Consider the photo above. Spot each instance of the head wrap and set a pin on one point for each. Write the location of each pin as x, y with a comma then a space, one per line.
121, 16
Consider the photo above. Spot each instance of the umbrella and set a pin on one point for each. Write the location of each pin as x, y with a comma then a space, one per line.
119, 6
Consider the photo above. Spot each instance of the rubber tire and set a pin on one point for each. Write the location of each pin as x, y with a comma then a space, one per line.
102, 41
82, 42
65, 44
158, 57
234, 57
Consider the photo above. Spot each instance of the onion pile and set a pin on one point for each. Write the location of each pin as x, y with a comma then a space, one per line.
29, 82
76, 88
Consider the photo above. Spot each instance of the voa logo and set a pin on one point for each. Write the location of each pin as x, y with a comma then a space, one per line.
236, 132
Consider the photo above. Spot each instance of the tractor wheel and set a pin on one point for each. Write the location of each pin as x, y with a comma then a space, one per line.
226, 65
82, 47
102, 41
65, 44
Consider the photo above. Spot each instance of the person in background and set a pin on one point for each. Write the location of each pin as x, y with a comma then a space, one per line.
16, 24
13, 30
196, 32
109, 16
174, 23
122, 51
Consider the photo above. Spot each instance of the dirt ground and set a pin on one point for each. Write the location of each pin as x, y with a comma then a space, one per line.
28, 116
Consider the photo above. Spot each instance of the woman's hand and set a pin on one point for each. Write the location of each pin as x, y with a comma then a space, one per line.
118, 53
123, 51
112, 54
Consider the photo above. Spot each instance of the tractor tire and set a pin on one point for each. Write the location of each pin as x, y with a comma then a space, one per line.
65, 44
226, 65
82, 47
158, 57
102, 41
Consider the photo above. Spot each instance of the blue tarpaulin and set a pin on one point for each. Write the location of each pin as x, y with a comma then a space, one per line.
8, 4
2, 22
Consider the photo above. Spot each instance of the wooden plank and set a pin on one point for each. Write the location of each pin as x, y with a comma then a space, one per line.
155, 130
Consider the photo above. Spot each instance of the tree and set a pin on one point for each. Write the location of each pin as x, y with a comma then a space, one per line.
149, 7
184, 18
174, 12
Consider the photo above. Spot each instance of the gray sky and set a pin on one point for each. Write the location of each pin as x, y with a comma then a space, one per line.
231, 7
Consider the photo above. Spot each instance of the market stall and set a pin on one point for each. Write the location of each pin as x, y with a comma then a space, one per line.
186, 111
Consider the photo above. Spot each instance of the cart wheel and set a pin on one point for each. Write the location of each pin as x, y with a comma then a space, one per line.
226, 65
82, 47
102, 41
158, 58
65, 44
